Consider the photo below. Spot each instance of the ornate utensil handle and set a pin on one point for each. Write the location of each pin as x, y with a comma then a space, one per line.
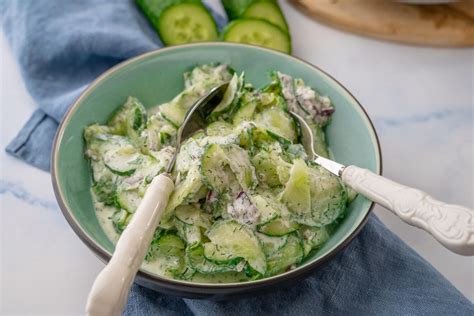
452, 225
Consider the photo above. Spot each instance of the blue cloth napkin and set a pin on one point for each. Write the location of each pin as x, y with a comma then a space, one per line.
62, 46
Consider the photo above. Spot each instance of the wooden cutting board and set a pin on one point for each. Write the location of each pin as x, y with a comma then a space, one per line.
434, 25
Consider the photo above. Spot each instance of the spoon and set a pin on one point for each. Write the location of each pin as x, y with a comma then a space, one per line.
452, 225
109, 292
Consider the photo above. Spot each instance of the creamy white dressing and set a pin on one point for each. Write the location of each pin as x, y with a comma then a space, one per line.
242, 210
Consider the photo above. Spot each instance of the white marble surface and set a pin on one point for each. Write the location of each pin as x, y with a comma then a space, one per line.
420, 99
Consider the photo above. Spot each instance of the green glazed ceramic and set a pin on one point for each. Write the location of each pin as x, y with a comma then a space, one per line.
155, 78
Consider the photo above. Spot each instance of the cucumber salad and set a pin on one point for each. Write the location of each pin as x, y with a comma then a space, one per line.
247, 203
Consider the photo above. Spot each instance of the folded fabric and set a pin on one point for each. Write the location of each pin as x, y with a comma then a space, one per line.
61, 46
377, 274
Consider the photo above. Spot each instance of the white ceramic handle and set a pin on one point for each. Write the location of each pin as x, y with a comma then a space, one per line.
109, 293
452, 225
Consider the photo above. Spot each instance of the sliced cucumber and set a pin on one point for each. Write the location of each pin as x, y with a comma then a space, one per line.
220, 255
295, 151
169, 253
272, 244
123, 161
313, 237
289, 255
258, 32
266, 169
219, 128
98, 144
235, 8
297, 194
104, 182
266, 10
188, 232
217, 174
184, 191
186, 23
278, 227
130, 119
270, 168
230, 97
204, 77
128, 199
246, 109
180, 21
120, 220
239, 162
237, 241
320, 145
266, 209
198, 262
191, 215
328, 197
278, 122
175, 110
159, 133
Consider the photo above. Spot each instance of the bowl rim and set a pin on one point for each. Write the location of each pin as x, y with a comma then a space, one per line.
105, 256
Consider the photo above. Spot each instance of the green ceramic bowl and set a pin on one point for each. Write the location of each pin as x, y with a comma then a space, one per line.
156, 77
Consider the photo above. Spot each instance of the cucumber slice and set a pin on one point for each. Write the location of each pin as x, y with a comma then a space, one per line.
296, 151
188, 232
199, 81
123, 161
313, 237
169, 253
291, 254
270, 168
159, 133
105, 190
183, 191
297, 194
265, 207
98, 144
219, 128
175, 110
235, 8
239, 162
130, 119
258, 32
266, 169
216, 172
278, 122
320, 145
272, 244
246, 110
186, 23
128, 199
198, 262
267, 10
120, 220
328, 197
220, 255
191, 215
230, 97
235, 240
278, 227
207, 76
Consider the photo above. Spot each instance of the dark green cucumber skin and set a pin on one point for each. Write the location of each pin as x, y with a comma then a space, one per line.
235, 9
154, 8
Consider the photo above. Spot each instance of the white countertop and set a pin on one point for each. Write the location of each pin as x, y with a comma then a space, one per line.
421, 102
